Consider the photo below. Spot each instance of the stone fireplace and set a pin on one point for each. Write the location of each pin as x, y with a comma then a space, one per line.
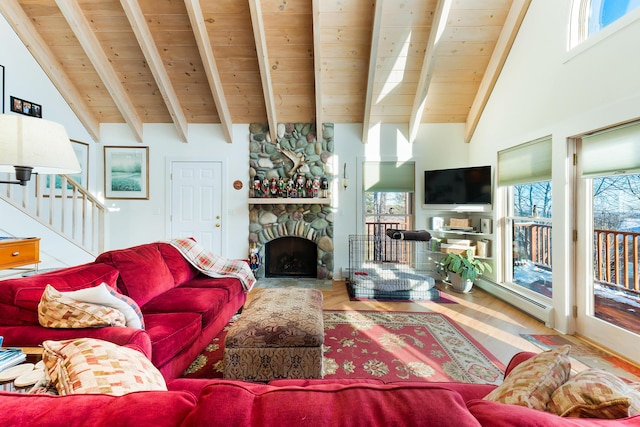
290, 257
276, 221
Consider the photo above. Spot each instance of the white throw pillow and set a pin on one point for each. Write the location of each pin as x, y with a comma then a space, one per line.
103, 295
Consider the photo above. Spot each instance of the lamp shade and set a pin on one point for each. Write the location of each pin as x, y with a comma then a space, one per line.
37, 143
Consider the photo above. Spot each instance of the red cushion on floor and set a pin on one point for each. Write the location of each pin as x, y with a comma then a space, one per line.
205, 301
171, 333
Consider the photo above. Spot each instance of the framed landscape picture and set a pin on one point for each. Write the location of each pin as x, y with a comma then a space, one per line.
126, 172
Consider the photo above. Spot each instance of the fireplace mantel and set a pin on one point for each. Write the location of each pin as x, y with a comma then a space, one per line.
289, 201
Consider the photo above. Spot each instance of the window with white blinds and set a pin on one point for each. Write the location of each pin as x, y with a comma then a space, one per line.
525, 163
390, 177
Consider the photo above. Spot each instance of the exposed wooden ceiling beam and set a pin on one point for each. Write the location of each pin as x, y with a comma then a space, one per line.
263, 62
375, 41
152, 56
27, 32
440, 17
498, 58
210, 67
317, 64
89, 42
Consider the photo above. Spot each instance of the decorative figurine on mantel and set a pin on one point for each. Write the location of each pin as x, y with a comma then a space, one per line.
315, 186
265, 187
273, 188
290, 188
281, 187
309, 189
257, 185
300, 185
325, 187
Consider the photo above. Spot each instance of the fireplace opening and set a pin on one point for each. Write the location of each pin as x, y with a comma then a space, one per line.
291, 257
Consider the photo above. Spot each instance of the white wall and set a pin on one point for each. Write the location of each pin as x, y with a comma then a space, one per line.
545, 90
133, 222
436, 146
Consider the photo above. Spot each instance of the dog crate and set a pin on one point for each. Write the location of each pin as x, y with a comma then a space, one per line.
385, 268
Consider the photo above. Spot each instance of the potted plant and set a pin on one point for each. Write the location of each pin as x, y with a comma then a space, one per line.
463, 269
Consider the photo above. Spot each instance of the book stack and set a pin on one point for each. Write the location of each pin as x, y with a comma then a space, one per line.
10, 357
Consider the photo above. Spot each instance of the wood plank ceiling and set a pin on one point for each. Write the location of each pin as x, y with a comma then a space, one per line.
270, 61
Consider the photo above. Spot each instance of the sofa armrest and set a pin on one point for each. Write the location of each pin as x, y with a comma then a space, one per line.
517, 359
34, 336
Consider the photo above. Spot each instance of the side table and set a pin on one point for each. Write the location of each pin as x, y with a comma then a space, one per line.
34, 355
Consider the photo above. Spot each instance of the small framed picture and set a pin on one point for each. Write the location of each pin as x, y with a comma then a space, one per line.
126, 172
27, 108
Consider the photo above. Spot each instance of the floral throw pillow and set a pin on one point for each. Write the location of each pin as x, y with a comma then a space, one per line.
532, 382
595, 394
56, 310
93, 366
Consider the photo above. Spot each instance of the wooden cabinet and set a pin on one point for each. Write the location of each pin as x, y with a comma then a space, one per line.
17, 252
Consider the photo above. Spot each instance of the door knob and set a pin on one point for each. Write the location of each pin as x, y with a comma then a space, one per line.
218, 225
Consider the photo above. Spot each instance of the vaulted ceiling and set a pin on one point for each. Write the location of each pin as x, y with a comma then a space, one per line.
270, 61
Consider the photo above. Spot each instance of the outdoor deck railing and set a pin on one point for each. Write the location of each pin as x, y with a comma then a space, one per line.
616, 253
616, 259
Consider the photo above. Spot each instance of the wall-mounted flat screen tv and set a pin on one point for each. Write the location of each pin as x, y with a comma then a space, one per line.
459, 186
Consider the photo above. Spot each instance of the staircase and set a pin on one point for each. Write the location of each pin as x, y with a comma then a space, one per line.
70, 220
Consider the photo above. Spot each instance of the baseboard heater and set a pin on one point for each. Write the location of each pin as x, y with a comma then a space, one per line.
534, 308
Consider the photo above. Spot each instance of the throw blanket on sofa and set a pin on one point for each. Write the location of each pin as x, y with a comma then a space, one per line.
214, 265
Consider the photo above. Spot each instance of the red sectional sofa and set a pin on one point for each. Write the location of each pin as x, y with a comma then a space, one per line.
183, 309
200, 403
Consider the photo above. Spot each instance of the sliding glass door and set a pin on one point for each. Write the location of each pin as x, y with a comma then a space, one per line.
608, 249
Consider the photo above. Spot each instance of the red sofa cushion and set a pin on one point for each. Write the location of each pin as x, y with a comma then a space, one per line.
19, 297
236, 403
206, 302
34, 335
171, 333
493, 414
231, 285
151, 408
143, 272
180, 268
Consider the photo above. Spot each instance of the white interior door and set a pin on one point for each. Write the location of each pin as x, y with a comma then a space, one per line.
196, 203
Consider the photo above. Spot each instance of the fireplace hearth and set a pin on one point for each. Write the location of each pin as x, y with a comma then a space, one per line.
291, 257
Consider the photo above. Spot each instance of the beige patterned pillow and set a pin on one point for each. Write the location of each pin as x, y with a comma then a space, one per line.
595, 394
532, 382
92, 366
58, 311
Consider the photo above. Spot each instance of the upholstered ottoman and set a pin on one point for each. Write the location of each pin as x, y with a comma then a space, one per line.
278, 335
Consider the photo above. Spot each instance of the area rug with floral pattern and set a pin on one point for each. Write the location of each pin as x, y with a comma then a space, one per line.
390, 346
